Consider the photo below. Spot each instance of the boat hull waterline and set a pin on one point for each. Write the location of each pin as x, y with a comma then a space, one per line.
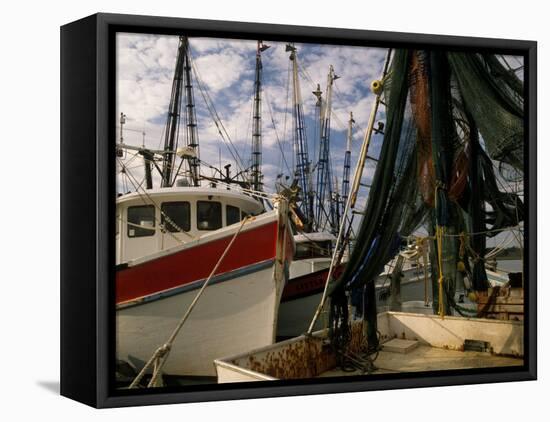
237, 311
302, 296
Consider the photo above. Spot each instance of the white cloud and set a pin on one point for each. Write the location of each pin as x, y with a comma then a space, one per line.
220, 70
144, 78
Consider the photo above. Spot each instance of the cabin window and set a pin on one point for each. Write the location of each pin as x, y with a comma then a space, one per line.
313, 249
303, 250
209, 215
141, 221
232, 214
176, 216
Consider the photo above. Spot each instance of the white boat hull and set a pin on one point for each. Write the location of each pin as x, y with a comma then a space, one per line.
236, 312
232, 316
295, 315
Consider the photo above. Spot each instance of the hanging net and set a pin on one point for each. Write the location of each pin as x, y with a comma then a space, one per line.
449, 118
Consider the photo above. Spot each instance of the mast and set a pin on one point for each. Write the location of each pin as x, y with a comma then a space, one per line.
324, 176
302, 173
192, 140
257, 122
319, 128
182, 86
377, 88
119, 150
148, 158
122, 123
347, 160
352, 196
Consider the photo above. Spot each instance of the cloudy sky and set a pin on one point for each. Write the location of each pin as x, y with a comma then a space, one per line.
145, 68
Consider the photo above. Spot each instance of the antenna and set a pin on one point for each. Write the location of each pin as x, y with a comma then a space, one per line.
122, 123
120, 151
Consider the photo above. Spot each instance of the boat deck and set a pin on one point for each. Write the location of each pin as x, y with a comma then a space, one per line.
427, 358
409, 343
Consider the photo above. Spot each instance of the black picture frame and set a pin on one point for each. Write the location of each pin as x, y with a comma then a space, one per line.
87, 208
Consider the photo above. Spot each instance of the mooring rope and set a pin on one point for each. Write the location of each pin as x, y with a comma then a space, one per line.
161, 354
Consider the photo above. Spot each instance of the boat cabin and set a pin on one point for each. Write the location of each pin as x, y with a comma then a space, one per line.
313, 253
166, 217
313, 245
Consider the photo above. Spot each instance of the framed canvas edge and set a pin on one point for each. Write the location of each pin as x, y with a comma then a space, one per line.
531, 164
102, 179
78, 275
160, 24
260, 389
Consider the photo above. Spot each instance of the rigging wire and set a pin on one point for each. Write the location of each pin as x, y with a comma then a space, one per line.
340, 96
509, 228
137, 187
285, 121
215, 116
276, 132
233, 186
519, 237
324, 251
307, 76
249, 132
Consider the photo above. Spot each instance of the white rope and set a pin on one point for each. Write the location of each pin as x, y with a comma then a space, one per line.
499, 248
511, 228
160, 355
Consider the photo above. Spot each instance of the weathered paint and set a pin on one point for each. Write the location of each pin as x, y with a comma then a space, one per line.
504, 337
309, 284
302, 357
503, 303
312, 356
233, 315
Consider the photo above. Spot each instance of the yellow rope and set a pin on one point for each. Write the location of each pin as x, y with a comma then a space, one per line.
461, 266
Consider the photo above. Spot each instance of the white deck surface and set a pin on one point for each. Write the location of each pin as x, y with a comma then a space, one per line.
426, 358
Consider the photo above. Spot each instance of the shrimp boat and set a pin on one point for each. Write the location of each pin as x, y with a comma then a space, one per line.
170, 240
308, 275
429, 94
161, 269
319, 214
410, 342
321, 210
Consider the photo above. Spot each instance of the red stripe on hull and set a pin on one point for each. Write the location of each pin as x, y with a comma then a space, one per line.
196, 263
309, 284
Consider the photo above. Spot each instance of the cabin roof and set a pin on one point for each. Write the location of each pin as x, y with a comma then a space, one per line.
314, 237
189, 191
